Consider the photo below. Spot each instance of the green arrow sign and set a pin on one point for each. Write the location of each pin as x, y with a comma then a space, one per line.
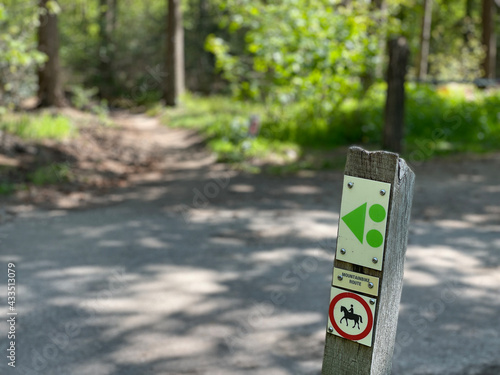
355, 221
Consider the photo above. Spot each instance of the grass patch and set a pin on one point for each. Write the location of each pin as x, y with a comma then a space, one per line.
51, 174
42, 126
7, 188
225, 123
438, 121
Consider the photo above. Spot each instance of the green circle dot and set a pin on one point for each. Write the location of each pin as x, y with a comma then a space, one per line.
374, 238
377, 213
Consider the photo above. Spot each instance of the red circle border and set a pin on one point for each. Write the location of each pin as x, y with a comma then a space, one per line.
345, 335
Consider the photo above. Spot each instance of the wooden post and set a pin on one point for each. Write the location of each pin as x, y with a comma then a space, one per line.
394, 106
345, 356
489, 38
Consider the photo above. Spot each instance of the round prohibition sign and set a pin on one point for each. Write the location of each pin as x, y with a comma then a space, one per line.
346, 335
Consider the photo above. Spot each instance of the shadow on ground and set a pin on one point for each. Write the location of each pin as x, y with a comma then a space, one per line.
212, 272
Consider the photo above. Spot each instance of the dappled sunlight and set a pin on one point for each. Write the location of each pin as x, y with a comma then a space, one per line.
242, 188
242, 283
441, 258
93, 232
420, 278
153, 243
302, 189
275, 256
453, 224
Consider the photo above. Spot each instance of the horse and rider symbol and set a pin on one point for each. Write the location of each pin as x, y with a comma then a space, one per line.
350, 315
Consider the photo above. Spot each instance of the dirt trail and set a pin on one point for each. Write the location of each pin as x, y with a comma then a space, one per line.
177, 271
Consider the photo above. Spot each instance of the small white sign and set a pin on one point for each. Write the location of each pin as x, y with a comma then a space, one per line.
351, 316
363, 221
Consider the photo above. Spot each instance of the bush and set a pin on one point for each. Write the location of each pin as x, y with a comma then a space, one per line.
50, 174
446, 119
45, 126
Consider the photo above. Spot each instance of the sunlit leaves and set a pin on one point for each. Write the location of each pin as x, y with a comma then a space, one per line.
299, 49
19, 56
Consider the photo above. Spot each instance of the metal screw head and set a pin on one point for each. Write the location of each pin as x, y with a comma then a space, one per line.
382, 192
372, 301
342, 251
370, 285
330, 329
340, 277
350, 185
375, 260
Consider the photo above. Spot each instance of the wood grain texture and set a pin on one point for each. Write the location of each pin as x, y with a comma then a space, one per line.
344, 357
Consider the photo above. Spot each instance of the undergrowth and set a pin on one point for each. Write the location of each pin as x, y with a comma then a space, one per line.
438, 120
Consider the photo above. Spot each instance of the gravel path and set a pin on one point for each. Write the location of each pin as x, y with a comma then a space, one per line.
200, 270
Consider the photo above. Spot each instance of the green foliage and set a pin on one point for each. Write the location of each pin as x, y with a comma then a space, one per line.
450, 118
7, 188
225, 123
19, 56
86, 99
456, 50
51, 174
44, 126
305, 60
298, 51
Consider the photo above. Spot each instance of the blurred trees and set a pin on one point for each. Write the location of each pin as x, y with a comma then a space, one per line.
19, 56
318, 52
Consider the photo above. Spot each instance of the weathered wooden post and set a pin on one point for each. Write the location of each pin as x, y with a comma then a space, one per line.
368, 267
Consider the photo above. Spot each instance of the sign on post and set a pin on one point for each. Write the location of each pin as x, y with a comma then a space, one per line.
351, 316
363, 219
368, 266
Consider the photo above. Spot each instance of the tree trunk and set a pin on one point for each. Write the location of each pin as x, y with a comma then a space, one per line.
378, 9
395, 102
381, 5
174, 82
204, 67
107, 21
425, 37
49, 78
489, 38
468, 24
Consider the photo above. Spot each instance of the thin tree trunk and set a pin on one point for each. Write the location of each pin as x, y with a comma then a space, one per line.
204, 75
425, 37
395, 101
174, 82
378, 9
381, 5
49, 76
107, 20
489, 38
468, 24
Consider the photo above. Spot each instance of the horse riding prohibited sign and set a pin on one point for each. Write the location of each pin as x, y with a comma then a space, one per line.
351, 316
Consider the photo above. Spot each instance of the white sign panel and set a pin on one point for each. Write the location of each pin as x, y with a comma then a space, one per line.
351, 316
363, 220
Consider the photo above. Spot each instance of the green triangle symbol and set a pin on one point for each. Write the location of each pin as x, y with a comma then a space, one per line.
355, 221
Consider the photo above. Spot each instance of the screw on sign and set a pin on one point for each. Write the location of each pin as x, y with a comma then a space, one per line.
351, 316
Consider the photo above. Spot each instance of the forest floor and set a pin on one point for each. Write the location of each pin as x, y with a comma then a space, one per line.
155, 259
